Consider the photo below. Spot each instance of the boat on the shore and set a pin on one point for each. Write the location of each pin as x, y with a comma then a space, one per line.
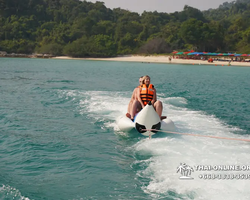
147, 122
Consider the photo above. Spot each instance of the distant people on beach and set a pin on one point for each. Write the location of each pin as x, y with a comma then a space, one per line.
210, 60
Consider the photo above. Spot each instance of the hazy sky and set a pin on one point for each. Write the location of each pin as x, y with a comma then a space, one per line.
168, 6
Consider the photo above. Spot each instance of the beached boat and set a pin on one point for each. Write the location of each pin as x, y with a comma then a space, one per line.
147, 122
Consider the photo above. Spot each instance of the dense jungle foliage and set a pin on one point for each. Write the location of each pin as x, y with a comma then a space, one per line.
84, 29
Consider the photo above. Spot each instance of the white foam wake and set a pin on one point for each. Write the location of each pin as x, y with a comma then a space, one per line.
8, 192
166, 154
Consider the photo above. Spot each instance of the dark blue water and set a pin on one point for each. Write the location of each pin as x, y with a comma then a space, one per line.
59, 139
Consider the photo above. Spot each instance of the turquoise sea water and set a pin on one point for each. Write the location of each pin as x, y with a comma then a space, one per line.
59, 139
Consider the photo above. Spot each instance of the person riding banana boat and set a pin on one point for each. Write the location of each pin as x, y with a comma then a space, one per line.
145, 94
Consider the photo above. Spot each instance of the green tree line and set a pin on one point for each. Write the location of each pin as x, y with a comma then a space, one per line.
85, 29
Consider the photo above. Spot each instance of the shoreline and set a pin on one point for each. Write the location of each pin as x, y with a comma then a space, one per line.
141, 59
159, 59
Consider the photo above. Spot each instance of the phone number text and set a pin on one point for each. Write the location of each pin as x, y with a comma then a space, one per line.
225, 176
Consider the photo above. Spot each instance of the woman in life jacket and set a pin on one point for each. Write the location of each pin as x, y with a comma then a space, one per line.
146, 93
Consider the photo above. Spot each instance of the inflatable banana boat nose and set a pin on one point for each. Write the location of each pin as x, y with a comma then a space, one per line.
147, 119
147, 122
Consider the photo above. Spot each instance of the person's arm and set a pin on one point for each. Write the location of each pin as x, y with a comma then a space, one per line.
138, 96
154, 97
133, 95
131, 100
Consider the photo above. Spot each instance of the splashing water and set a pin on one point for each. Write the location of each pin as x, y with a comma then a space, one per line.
159, 158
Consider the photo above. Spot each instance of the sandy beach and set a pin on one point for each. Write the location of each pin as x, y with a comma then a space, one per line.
161, 59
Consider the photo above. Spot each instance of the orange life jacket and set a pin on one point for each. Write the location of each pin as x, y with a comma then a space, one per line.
147, 93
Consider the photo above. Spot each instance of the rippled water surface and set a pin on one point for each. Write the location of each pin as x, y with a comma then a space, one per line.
59, 139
